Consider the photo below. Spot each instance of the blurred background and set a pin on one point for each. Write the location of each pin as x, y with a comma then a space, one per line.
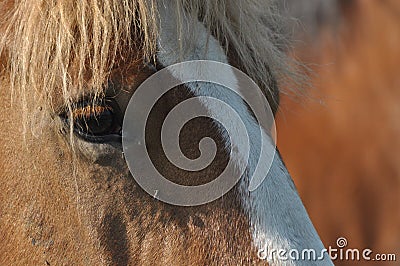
341, 142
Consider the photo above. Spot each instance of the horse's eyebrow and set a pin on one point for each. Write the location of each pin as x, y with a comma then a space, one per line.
111, 87
119, 85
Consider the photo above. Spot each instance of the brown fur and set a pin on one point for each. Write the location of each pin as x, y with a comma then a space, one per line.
98, 215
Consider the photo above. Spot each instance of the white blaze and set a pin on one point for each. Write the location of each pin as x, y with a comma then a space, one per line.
277, 216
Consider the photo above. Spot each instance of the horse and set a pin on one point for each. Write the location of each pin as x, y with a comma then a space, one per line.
357, 56
68, 71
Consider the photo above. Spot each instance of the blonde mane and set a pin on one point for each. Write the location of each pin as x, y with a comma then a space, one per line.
53, 48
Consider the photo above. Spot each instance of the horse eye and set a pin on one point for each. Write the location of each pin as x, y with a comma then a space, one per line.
96, 122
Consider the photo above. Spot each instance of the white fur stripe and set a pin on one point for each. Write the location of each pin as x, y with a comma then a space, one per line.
277, 215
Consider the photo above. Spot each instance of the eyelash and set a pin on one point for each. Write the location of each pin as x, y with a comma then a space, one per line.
96, 122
